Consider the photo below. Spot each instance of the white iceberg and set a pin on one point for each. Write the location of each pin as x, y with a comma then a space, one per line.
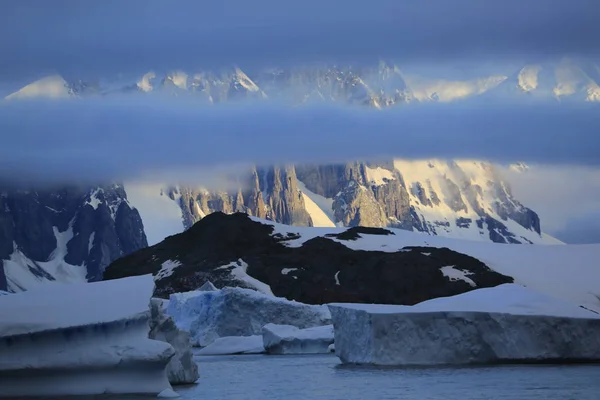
507, 323
182, 368
238, 312
234, 345
288, 339
81, 339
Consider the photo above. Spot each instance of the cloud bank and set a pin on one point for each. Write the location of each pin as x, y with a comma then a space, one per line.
129, 137
567, 199
114, 36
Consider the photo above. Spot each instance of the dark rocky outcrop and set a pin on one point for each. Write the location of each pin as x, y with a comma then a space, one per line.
322, 270
97, 224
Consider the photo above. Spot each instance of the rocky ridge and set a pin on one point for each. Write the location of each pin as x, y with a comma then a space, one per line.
234, 250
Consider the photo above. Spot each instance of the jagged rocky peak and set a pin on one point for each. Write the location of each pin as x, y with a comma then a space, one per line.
465, 199
70, 234
265, 192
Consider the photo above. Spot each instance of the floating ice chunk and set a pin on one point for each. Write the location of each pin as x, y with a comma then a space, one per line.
168, 393
81, 339
182, 368
507, 323
238, 312
287, 339
234, 345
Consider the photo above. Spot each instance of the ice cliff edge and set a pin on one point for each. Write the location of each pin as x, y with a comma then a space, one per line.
81, 339
507, 323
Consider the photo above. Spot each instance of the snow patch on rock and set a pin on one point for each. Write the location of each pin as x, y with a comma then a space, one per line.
457, 274
238, 271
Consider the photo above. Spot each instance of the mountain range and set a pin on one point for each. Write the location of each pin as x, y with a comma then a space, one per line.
72, 234
379, 86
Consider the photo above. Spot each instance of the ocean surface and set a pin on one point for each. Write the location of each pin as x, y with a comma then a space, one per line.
322, 377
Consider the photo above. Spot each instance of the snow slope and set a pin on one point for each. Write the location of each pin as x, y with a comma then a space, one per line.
318, 207
21, 271
94, 336
161, 215
53, 86
480, 187
569, 272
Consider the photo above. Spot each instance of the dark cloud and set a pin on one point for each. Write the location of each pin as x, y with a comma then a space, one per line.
129, 136
116, 36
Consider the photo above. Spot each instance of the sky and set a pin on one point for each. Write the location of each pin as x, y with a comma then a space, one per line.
567, 199
132, 137
111, 36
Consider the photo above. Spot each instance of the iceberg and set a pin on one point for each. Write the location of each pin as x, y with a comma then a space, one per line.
503, 324
238, 312
182, 368
288, 339
234, 345
81, 339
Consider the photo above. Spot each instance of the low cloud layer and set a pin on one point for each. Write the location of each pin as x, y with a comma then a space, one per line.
567, 199
113, 36
130, 137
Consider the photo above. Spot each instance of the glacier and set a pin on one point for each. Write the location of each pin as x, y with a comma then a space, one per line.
503, 324
209, 315
81, 339
288, 339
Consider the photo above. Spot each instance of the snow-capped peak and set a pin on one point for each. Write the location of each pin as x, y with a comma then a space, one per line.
243, 80
145, 83
528, 77
53, 86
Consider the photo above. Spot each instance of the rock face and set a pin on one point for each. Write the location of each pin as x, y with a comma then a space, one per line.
463, 199
271, 193
77, 231
518, 326
287, 339
238, 312
181, 368
319, 271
